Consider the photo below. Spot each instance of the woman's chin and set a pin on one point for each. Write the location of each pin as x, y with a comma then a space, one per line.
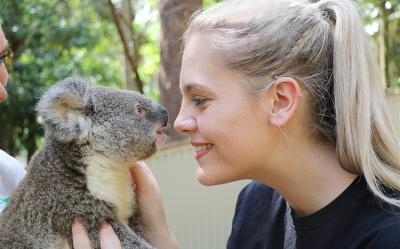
208, 178
204, 177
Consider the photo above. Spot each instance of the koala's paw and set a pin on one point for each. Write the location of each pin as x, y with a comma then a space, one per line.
129, 239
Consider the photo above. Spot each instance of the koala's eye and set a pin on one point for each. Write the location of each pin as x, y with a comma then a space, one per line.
139, 109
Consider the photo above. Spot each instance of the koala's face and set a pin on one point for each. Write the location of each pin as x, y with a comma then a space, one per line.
125, 124
122, 125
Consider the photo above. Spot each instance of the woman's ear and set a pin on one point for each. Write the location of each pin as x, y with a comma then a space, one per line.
285, 93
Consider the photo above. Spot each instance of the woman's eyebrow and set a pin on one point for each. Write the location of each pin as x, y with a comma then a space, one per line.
190, 87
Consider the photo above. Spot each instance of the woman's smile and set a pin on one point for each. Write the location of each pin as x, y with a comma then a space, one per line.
201, 149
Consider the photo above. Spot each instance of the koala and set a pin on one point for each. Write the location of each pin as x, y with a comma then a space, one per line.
92, 136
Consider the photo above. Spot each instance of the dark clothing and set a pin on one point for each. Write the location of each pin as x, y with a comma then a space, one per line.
354, 220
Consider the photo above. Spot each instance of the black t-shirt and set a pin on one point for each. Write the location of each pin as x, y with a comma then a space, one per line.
354, 220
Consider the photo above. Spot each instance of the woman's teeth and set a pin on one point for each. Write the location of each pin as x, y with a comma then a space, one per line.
200, 148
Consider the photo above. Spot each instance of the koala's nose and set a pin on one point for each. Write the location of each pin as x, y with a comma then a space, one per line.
164, 114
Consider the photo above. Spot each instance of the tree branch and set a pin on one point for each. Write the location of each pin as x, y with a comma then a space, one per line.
131, 58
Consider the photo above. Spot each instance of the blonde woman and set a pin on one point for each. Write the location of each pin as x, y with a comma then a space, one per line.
288, 94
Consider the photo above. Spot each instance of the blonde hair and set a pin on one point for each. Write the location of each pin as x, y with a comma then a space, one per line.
323, 45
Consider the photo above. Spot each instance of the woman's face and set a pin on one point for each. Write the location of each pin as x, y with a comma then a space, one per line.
3, 70
227, 126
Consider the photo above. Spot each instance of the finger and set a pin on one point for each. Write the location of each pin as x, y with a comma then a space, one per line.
143, 178
80, 236
108, 238
66, 246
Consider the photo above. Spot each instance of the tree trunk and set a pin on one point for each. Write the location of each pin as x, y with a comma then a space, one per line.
396, 58
384, 42
126, 27
174, 16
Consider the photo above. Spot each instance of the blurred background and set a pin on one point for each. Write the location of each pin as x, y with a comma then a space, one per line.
136, 44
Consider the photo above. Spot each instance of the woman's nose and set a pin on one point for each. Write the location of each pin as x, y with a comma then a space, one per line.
185, 124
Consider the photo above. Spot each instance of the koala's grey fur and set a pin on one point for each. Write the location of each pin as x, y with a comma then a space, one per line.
92, 136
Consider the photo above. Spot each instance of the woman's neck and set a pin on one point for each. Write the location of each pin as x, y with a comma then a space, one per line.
310, 178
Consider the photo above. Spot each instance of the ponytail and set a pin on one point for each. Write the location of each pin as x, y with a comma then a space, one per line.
365, 139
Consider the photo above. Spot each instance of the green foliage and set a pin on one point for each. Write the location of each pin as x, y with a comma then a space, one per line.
208, 3
51, 40
372, 19
394, 43
147, 32
54, 39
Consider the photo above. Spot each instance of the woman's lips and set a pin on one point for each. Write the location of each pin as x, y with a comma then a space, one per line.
201, 150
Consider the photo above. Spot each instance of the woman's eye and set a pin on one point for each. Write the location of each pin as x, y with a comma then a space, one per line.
198, 100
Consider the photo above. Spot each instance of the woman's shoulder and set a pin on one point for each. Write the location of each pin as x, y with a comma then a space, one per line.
260, 194
260, 211
388, 235
375, 221
258, 203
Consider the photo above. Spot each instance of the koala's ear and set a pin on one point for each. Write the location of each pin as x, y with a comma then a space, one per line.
64, 109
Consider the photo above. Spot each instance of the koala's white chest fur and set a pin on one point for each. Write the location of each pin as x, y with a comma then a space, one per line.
111, 183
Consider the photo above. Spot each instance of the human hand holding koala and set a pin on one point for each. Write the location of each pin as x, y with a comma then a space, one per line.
152, 215
92, 136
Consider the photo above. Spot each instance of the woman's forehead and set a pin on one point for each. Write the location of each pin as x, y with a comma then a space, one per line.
197, 43
203, 63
